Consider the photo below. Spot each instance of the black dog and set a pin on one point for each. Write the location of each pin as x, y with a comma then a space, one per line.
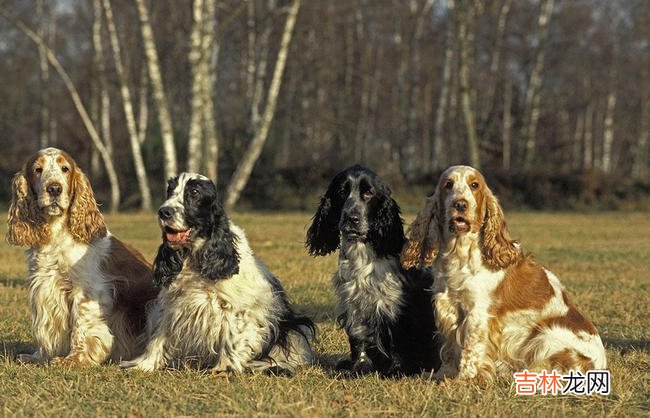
385, 310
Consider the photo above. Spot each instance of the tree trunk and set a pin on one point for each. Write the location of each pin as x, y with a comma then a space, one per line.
506, 136
578, 136
465, 37
209, 116
495, 63
79, 106
437, 160
159, 97
44, 137
143, 105
136, 151
531, 104
245, 166
588, 147
196, 101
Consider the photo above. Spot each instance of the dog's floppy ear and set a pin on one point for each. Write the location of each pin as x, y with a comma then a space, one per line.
387, 229
423, 236
323, 235
499, 250
218, 257
25, 224
167, 265
85, 221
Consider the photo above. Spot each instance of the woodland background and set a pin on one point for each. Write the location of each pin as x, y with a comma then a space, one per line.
550, 98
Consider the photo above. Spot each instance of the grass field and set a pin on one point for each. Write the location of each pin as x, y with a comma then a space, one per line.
603, 259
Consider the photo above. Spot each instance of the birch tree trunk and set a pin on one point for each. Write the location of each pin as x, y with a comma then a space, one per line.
640, 164
245, 166
532, 100
210, 131
159, 97
441, 111
465, 38
610, 107
78, 104
495, 62
134, 139
198, 51
102, 111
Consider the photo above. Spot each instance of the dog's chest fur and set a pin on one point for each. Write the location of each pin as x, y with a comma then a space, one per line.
370, 290
217, 321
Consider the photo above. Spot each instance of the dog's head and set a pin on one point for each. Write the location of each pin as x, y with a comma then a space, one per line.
51, 186
194, 227
357, 207
462, 205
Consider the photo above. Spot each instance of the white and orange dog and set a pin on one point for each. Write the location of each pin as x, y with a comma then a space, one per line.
88, 290
496, 308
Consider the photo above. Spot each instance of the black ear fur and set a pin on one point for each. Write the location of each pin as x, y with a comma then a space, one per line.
323, 235
167, 265
218, 257
387, 230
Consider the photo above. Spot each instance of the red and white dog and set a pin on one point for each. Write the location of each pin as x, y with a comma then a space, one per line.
496, 308
88, 290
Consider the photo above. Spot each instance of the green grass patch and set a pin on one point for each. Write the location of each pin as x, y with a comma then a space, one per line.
603, 259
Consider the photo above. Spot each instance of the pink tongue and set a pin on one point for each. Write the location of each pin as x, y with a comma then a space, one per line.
180, 236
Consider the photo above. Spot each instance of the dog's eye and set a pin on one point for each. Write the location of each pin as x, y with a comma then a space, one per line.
38, 170
367, 195
474, 185
449, 184
65, 169
194, 192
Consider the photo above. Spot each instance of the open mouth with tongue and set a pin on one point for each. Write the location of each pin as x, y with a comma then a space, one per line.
458, 224
177, 237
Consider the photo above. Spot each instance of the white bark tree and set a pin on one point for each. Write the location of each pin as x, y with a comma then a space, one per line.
252, 153
159, 96
466, 25
532, 100
132, 128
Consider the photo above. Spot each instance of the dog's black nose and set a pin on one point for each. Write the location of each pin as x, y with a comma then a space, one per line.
54, 189
165, 213
354, 219
460, 205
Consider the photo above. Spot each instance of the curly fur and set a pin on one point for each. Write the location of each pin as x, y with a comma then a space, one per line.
219, 307
496, 308
87, 289
383, 308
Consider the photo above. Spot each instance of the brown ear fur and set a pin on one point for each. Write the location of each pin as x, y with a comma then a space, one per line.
422, 237
85, 221
499, 250
26, 226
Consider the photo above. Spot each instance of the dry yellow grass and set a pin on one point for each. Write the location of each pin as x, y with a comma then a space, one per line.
603, 259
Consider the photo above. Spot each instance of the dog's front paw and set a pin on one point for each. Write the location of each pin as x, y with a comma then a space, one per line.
363, 366
138, 364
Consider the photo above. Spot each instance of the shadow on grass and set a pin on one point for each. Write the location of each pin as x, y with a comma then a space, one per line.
12, 348
317, 312
13, 282
626, 345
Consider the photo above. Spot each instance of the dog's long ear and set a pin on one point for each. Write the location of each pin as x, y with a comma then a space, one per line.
26, 226
167, 265
387, 227
423, 236
323, 235
499, 250
218, 257
85, 221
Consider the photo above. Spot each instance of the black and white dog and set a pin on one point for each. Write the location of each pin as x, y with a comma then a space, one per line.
385, 310
218, 307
